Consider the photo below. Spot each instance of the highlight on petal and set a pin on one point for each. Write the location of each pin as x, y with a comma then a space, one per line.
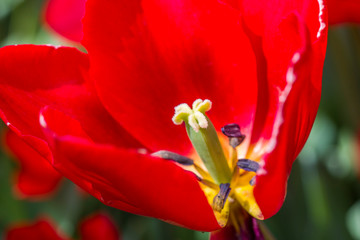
261, 16
42, 229
98, 226
65, 17
297, 103
129, 180
282, 72
36, 177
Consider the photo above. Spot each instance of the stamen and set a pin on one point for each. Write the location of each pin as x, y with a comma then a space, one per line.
233, 132
253, 181
208, 183
234, 142
174, 157
248, 165
220, 198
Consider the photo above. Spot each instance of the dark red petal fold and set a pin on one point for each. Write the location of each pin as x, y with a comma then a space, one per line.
158, 54
40, 230
344, 11
130, 181
36, 177
65, 17
98, 226
226, 233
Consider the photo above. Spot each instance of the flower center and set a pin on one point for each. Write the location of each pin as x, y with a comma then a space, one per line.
227, 178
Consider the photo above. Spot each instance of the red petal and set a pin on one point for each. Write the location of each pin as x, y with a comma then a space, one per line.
98, 226
289, 40
131, 181
64, 16
36, 178
158, 54
344, 11
40, 230
295, 111
32, 77
263, 16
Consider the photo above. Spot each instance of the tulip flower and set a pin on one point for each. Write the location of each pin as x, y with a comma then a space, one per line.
41, 229
96, 226
244, 81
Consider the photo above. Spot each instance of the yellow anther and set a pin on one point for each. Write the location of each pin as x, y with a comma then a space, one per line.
195, 116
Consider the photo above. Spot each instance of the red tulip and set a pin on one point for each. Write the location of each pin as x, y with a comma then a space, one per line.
99, 117
40, 230
97, 226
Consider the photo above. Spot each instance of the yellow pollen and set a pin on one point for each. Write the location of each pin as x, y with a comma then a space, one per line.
195, 116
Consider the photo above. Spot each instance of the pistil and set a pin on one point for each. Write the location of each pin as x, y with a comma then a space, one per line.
204, 138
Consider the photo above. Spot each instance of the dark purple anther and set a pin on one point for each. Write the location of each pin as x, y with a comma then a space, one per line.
174, 157
233, 132
248, 165
220, 198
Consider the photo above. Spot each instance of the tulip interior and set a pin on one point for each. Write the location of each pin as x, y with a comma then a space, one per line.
227, 181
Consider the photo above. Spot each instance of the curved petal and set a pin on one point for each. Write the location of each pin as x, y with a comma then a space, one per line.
40, 230
36, 177
32, 77
98, 226
158, 54
344, 11
130, 181
296, 107
65, 17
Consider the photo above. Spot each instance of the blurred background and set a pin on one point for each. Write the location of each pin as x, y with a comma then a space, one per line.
323, 200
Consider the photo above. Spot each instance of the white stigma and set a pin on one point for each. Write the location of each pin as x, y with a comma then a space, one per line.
195, 117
